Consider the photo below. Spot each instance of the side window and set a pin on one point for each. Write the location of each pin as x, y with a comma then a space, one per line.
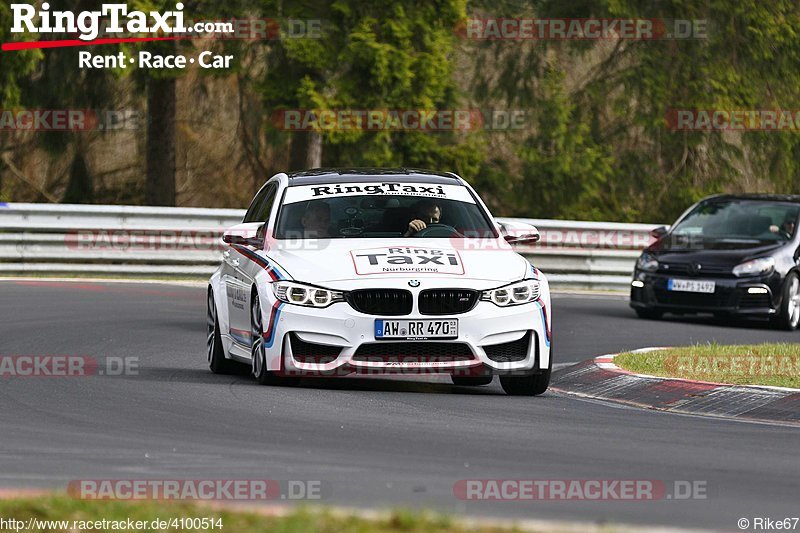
266, 206
260, 207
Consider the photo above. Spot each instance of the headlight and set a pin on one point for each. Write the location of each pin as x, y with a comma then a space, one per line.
754, 267
647, 262
305, 295
518, 293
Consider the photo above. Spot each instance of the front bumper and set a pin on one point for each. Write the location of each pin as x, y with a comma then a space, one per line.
339, 340
731, 296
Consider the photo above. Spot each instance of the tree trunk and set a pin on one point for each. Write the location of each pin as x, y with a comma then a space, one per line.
80, 189
306, 151
160, 183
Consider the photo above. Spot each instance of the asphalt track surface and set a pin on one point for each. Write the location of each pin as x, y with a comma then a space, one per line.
373, 443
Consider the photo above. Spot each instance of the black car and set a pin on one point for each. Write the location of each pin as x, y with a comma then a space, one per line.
726, 255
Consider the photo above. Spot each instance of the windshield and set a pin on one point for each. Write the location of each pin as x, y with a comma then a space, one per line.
340, 212
740, 220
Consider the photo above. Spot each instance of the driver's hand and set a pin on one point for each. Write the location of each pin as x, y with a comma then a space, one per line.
414, 226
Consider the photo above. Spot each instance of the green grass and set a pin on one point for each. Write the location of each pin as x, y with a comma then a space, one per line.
756, 364
58, 507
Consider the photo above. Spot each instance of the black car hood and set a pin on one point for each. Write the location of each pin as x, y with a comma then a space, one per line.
723, 253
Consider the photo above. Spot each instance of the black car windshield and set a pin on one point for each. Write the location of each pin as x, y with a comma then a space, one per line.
744, 220
376, 215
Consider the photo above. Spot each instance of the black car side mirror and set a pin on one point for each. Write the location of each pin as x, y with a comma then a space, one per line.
659, 232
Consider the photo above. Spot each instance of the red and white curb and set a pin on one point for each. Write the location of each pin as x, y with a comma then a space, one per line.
600, 378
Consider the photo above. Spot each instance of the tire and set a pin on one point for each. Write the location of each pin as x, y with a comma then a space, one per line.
532, 385
258, 351
471, 381
215, 351
649, 314
788, 317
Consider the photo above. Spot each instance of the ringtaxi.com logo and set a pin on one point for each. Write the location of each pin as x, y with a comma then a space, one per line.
579, 489
116, 19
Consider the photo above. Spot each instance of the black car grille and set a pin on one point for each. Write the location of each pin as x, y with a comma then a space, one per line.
447, 301
509, 352
311, 352
384, 302
692, 299
381, 352
686, 269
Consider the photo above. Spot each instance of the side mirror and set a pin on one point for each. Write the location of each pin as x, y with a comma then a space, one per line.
659, 232
527, 238
250, 234
516, 232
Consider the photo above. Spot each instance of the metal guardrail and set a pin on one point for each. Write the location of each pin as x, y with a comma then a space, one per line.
68, 240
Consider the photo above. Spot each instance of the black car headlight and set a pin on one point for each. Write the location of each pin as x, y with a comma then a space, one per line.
647, 263
518, 293
294, 293
755, 267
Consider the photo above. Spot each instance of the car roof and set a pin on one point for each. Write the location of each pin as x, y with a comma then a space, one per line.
785, 198
318, 176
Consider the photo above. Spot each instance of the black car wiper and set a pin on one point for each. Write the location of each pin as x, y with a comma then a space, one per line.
737, 240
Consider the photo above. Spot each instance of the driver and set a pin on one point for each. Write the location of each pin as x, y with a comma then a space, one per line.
789, 224
425, 212
787, 228
316, 221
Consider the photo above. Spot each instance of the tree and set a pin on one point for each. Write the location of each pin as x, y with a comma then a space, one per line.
370, 56
14, 67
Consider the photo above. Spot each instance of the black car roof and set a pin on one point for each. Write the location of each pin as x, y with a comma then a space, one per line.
786, 198
318, 176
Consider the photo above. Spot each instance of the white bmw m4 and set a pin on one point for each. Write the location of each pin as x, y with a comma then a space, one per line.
372, 271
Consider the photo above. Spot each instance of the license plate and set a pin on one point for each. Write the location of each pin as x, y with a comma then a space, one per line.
691, 285
416, 329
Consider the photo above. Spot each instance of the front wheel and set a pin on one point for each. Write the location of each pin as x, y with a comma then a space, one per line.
215, 352
788, 316
532, 385
258, 351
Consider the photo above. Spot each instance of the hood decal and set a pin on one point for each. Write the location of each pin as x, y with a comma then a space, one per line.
407, 260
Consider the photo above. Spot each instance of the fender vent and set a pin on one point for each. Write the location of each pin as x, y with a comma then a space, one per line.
311, 352
509, 352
